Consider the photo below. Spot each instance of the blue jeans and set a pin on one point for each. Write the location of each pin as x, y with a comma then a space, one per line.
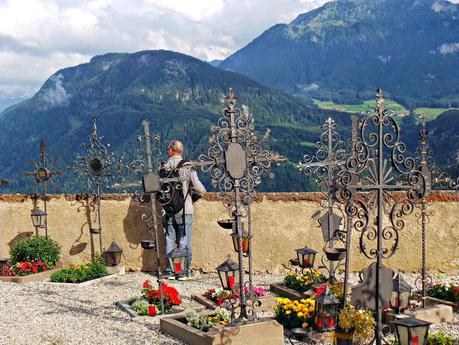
174, 235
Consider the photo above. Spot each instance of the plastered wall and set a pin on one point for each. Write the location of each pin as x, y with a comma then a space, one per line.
282, 222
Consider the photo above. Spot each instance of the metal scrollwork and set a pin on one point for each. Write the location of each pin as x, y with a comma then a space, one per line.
377, 167
98, 165
236, 162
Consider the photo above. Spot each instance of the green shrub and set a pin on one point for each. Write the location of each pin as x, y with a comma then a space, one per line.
36, 248
140, 306
440, 338
81, 273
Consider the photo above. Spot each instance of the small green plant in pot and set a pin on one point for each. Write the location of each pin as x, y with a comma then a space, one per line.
36, 248
354, 326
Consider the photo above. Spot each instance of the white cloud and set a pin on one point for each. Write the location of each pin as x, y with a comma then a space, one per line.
448, 48
38, 37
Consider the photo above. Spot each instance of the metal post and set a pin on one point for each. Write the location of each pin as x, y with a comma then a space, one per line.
154, 214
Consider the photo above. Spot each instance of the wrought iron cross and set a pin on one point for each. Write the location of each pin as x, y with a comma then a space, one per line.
153, 185
324, 166
435, 179
101, 169
380, 163
44, 173
236, 162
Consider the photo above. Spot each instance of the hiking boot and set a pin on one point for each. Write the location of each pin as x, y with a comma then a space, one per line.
188, 276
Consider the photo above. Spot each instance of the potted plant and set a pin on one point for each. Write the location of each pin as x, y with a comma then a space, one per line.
294, 314
354, 326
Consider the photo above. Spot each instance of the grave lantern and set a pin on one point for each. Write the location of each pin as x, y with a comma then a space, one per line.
411, 331
227, 272
113, 254
306, 257
38, 218
245, 242
401, 292
177, 259
326, 311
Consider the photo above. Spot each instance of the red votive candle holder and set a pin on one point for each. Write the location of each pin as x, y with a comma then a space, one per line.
152, 310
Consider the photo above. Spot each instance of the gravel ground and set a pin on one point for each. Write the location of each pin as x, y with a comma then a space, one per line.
43, 313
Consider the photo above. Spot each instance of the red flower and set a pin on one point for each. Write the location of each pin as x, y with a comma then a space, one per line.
146, 284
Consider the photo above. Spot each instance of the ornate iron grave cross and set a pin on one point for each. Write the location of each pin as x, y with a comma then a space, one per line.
99, 167
236, 162
382, 168
44, 175
324, 166
435, 180
157, 190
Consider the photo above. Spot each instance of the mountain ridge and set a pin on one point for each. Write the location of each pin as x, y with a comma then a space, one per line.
346, 49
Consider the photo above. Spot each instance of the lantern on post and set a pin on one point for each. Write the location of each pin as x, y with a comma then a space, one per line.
113, 255
227, 273
177, 259
38, 218
401, 292
326, 311
306, 257
411, 331
245, 242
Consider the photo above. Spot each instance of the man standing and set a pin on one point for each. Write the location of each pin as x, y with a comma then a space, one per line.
175, 229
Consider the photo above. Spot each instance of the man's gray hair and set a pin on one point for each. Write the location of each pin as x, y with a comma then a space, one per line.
176, 146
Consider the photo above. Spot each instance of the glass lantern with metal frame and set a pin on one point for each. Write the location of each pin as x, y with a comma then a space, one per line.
401, 292
326, 311
306, 257
227, 272
177, 260
38, 218
411, 331
113, 255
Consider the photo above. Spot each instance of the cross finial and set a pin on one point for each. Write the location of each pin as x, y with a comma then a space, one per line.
94, 128
42, 145
230, 99
379, 101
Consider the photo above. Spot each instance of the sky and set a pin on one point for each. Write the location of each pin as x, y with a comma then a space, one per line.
38, 37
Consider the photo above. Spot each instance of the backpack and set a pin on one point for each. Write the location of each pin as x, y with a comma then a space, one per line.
171, 195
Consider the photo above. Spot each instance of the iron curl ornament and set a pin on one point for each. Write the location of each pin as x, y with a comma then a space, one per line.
236, 161
377, 182
98, 165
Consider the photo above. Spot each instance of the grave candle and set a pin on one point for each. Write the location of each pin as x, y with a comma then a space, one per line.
319, 322
152, 310
414, 340
231, 281
330, 322
305, 262
178, 267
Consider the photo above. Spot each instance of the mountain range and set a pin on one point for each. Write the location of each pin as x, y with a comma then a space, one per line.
346, 49
342, 51
181, 97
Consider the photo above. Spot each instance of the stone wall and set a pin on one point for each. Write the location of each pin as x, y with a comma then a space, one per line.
282, 222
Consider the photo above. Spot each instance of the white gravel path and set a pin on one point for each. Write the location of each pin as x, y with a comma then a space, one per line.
46, 314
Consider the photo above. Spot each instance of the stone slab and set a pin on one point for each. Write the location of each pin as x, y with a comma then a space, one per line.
435, 314
262, 332
88, 282
124, 306
267, 303
434, 301
282, 290
37, 277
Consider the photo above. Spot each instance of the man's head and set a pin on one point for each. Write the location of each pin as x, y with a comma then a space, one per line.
175, 148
